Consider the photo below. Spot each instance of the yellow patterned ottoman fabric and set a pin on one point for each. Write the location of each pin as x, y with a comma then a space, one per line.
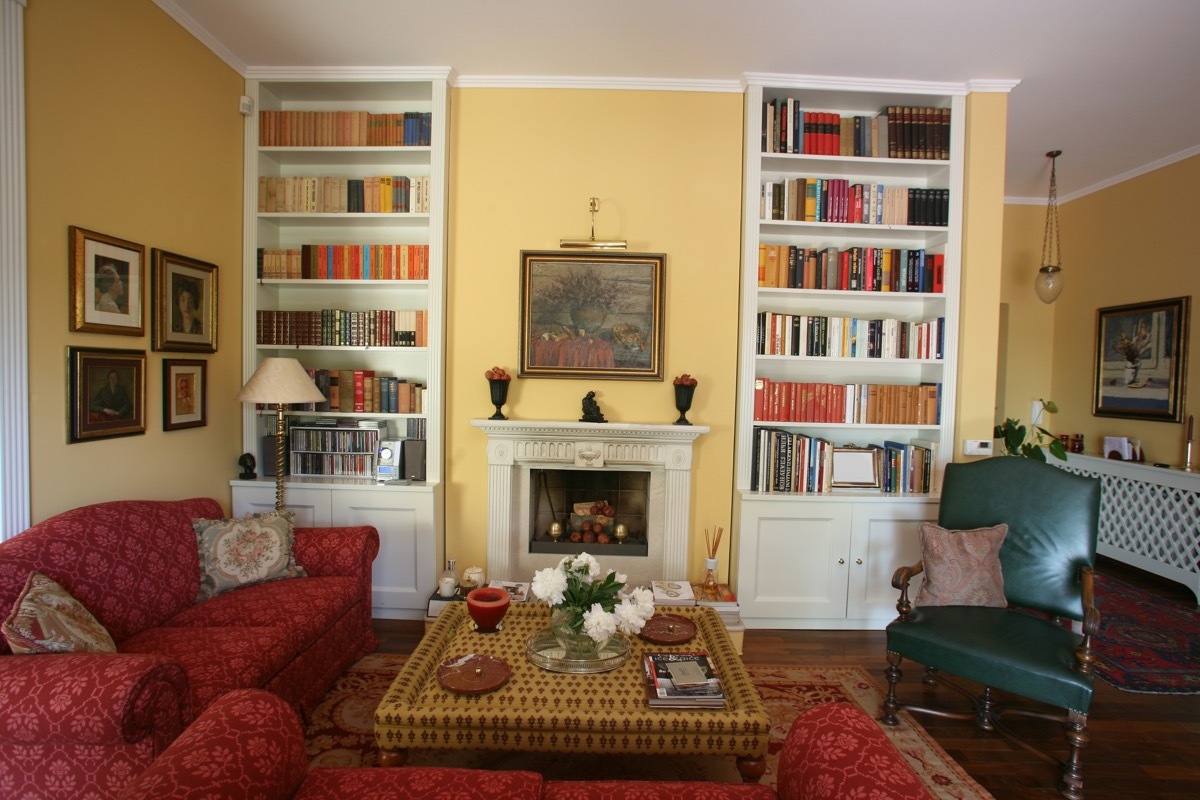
543, 711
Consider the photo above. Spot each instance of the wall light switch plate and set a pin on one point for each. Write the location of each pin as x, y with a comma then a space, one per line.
977, 447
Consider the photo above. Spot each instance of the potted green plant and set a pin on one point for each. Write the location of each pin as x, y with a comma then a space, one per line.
1028, 442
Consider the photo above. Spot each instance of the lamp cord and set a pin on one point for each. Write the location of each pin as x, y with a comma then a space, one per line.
1052, 216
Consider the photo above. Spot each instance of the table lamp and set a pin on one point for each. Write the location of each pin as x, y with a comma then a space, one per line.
280, 381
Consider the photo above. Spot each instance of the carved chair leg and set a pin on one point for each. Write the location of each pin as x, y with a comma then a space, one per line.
930, 676
985, 710
1077, 738
894, 674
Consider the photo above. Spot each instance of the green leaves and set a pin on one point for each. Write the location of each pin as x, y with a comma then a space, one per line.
1028, 443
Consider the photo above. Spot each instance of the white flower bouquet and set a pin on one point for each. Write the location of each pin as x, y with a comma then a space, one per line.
590, 603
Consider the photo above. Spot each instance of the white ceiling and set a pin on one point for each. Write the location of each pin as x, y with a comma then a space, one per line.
1112, 83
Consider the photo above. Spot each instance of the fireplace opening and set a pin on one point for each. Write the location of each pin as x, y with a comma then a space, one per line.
589, 504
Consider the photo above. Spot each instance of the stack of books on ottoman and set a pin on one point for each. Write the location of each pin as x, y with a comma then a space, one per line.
725, 603
682, 680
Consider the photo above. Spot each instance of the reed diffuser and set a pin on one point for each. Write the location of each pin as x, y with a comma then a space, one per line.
710, 583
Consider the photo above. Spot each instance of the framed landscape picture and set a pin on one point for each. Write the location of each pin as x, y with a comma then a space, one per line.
591, 315
107, 275
107, 393
185, 394
185, 303
1141, 360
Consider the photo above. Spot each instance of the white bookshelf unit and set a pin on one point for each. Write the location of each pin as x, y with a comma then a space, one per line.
307, 136
824, 559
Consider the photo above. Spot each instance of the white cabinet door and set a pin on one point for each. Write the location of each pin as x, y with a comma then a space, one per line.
310, 505
884, 538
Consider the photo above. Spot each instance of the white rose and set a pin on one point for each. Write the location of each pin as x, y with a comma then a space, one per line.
549, 584
598, 623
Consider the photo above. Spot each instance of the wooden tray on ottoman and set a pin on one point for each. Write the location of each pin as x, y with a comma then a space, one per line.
542, 711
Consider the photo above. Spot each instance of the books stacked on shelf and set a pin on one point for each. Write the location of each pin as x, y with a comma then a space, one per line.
385, 194
789, 462
907, 468
822, 336
673, 593
518, 591
837, 200
847, 403
344, 129
862, 268
725, 603
896, 132
415, 427
388, 262
335, 327
346, 448
682, 680
361, 391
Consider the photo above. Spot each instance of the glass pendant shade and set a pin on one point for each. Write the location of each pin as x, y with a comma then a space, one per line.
1049, 283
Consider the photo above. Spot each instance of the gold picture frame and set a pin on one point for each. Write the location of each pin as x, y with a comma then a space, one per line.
185, 393
107, 275
107, 393
185, 303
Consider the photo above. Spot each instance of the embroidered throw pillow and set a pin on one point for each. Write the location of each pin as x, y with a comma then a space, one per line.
962, 568
46, 619
240, 552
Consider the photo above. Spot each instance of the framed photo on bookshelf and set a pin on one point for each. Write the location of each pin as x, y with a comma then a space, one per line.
185, 303
107, 391
1141, 360
107, 275
591, 315
855, 468
185, 393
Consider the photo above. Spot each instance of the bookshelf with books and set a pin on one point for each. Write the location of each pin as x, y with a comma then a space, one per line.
344, 269
851, 247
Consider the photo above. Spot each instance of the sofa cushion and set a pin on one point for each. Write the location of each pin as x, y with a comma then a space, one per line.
419, 783
301, 609
240, 552
217, 659
47, 619
962, 568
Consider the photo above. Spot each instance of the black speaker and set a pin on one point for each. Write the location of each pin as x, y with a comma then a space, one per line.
414, 459
266, 463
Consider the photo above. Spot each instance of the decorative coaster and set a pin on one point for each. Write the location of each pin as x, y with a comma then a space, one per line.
473, 673
668, 629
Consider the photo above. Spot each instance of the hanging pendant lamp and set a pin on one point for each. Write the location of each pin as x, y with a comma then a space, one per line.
1049, 281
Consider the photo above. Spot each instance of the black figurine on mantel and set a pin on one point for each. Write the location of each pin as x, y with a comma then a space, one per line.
247, 463
591, 409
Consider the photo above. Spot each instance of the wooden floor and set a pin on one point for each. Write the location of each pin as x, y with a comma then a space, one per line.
1142, 746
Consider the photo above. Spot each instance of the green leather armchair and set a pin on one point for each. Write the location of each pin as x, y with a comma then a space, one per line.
1046, 560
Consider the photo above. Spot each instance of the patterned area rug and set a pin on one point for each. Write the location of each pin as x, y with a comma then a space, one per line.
340, 734
1146, 643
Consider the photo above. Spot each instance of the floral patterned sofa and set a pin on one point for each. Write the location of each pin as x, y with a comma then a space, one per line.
83, 725
249, 744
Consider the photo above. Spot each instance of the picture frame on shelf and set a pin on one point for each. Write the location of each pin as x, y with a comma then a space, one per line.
591, 315
855, 468
107, 393
1141, 360
185, 303
107, 276
185, 393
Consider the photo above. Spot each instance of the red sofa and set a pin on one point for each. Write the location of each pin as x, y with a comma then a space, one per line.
84, 725
249, 744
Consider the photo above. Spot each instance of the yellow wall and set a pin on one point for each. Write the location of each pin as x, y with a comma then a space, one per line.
667, 169
132, 130
1027, 324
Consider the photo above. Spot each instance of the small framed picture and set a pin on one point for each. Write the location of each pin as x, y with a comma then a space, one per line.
1141, 360
107, 275
185, 394
107, 390
185, 303
856, 468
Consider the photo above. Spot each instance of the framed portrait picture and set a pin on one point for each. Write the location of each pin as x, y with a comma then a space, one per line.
591, 315
1141, 360
107, 275
185, 394
107, 393
855, 467
185, 303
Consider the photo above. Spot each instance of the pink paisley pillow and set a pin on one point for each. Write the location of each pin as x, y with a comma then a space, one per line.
46, 619
962, 568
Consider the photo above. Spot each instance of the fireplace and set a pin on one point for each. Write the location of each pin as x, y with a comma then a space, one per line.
644, 471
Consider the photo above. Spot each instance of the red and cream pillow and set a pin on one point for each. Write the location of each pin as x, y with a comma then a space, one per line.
47, 619
240, 552
962, 568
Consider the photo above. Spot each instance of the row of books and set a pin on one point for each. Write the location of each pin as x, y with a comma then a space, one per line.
896, 132
789, 462
361, 391
684, 593
838, 200
847, 403
335, 327
389, 262
857, 268
387, 194
344, 129
682, 680
847, 337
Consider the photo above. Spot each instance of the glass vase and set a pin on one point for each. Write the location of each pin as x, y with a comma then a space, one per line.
567, 627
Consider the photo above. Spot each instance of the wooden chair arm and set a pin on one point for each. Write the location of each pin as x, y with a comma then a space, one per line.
1091, 620
900, 581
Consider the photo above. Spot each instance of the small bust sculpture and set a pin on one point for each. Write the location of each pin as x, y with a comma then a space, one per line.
247, 463
591, 409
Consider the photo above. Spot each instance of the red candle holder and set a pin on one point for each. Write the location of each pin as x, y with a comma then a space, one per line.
487, 607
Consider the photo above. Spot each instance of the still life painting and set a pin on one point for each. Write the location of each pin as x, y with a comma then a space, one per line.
1141, 355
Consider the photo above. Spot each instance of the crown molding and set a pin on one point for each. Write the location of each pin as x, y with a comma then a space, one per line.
586, 82
201, 33
833, 83
1113, 181
349, 73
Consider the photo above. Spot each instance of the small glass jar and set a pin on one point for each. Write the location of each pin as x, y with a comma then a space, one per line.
710, 582
448, 582
1077, 443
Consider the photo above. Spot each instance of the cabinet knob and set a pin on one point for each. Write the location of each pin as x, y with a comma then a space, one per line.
858, 561
841, 561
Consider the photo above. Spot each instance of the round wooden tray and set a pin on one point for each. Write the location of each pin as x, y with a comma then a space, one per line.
668, 629
473, 673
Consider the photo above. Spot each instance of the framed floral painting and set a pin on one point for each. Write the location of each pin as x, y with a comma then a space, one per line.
1141, 360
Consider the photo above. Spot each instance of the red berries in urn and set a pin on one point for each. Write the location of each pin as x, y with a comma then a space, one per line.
685, 380
497, 374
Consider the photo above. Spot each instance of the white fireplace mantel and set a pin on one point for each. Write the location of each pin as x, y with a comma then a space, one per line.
514, 447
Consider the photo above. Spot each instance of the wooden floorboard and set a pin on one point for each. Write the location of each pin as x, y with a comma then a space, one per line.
1143, 746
